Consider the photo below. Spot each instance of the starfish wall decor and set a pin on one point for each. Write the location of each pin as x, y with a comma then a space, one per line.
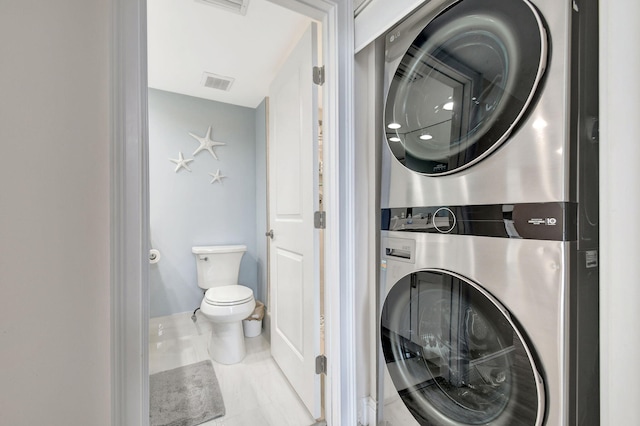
217, 177
206, 143
181, 162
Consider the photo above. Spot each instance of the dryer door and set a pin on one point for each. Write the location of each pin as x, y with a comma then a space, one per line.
464, 83
455, 356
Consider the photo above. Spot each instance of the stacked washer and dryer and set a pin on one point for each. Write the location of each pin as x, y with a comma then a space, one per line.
488, 293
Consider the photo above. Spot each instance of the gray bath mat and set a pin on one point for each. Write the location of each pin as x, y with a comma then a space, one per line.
185, 396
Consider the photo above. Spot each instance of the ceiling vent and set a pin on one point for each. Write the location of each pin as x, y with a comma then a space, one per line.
237, 6
217, 82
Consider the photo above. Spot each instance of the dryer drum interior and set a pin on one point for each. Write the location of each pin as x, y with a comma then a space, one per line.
454, 355
464, 83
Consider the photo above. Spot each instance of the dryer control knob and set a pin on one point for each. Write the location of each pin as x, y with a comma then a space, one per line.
444, 220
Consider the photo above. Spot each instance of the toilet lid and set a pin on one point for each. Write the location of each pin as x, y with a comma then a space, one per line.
228, 295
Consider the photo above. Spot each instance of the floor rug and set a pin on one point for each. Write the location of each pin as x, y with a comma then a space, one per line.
185, 396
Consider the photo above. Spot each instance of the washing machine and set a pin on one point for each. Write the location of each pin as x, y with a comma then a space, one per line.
482, 102
480, 327
488, 289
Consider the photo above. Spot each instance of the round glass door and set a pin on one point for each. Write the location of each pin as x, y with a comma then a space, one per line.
464, 83
455, 356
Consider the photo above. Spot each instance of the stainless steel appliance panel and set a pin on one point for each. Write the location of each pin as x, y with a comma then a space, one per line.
531, 165
534, 292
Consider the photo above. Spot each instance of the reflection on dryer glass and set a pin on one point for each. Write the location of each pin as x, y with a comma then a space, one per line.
462, 84
453, 356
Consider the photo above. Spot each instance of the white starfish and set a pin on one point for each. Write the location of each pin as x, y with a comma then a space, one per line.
217, 177
181, 162
206, 143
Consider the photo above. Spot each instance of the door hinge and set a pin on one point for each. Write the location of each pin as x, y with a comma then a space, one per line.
318, 75
320, 220
321, 364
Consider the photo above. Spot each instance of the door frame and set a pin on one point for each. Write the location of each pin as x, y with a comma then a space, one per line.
129, 216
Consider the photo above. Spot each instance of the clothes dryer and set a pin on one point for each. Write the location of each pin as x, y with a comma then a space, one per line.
466, 340
487, 102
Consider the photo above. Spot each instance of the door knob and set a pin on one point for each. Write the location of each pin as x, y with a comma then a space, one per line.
269, 234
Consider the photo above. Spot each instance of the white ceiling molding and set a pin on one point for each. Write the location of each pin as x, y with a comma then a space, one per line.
236, 6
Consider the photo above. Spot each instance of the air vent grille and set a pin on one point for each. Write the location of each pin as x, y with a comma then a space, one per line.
237, 6
217, 82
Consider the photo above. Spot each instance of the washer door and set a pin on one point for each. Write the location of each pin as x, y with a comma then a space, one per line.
464, 83
455, 356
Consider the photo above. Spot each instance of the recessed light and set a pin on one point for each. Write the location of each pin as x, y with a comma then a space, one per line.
426, 137
448, 106
395, 139
394, 126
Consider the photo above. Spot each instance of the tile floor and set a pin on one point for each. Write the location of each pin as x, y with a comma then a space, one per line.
254, 391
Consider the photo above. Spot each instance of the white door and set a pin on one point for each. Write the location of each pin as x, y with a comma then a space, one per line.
293, 198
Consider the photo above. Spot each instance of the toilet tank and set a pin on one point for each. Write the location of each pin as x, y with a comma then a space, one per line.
218, 265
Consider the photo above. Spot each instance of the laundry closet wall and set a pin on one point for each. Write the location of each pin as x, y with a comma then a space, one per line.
186, 208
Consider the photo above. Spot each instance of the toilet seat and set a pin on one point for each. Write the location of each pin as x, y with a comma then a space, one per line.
228, 295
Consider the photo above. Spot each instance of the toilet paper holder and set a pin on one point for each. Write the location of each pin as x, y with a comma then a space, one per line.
154, 256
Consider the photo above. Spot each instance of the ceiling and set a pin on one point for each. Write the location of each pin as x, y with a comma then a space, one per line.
187, 38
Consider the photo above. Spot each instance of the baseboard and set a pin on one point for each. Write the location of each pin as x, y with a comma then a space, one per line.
367, 412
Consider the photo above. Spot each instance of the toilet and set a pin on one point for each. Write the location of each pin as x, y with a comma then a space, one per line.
225, 303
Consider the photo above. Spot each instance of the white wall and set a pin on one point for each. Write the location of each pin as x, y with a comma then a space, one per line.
619, 207
54, 213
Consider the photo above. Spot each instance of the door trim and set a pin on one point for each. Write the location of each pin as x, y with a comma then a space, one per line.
129, 215
130, 209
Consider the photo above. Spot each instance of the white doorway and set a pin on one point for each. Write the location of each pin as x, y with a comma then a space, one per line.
263, 50
130, 212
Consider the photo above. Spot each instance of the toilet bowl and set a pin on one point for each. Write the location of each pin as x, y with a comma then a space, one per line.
225, 303
226, 307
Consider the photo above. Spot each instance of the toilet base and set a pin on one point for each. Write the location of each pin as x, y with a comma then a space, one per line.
226, 344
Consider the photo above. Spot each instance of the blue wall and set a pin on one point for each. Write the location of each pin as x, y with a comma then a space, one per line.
186, 209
